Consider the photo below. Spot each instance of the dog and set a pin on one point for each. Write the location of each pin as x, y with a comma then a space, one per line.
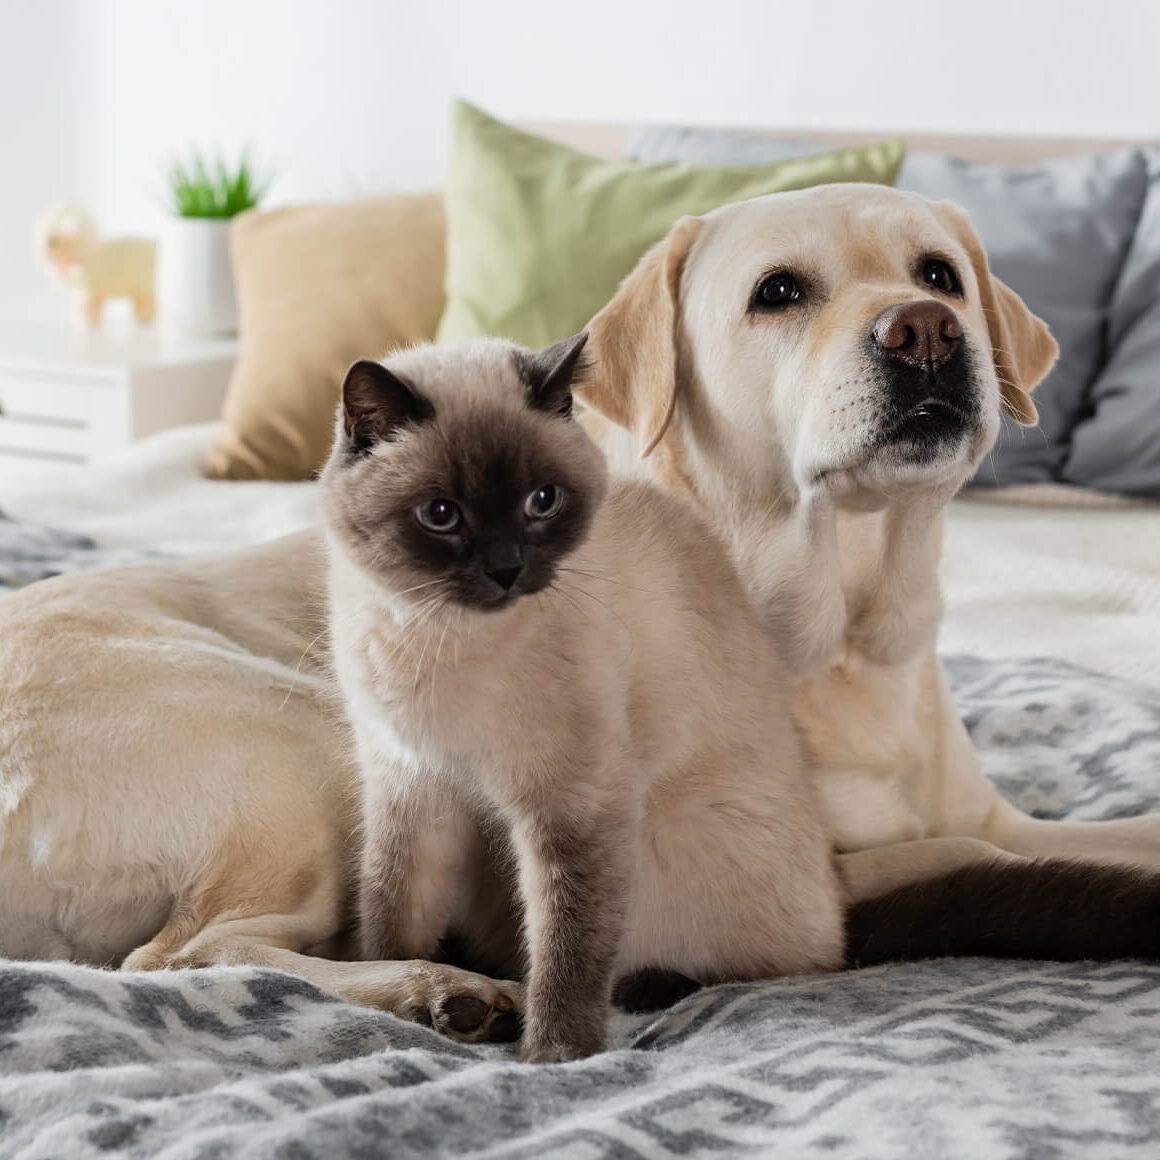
175, 787
820, 372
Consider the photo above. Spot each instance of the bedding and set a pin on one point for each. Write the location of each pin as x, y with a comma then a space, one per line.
1117, 446
1053, 631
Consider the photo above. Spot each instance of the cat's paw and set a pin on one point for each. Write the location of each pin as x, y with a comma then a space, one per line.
549, 1049
465, 1006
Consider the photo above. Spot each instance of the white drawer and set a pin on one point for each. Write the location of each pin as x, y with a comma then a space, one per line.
61, 439
27, 396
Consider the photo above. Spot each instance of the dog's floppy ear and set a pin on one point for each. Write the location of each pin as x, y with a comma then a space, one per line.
1023, 348
633, 342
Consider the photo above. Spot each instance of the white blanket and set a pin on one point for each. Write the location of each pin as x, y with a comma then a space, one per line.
156, 497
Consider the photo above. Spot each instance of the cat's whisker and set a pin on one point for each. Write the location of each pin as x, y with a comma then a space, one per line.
562, 592
611, 611
416, 587
423, 613
298, 670
601, 577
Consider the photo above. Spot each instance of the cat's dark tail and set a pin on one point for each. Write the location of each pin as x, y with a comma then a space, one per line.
1052, 909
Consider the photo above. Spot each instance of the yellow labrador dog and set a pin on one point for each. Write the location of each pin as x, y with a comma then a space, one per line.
819, 372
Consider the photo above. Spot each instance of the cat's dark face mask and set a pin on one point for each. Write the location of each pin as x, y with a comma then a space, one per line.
503, 532
474, 508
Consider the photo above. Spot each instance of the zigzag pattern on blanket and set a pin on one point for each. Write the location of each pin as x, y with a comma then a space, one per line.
949, 1059
952, 1058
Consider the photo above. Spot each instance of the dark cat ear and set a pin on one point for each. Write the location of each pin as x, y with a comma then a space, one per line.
550, 373
376, 403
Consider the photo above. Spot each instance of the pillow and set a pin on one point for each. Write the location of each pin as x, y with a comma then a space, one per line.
1056, 232
1117, 447
539, 235
319, 286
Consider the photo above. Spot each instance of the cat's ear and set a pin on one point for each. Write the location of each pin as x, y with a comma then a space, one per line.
376, 403
550, 373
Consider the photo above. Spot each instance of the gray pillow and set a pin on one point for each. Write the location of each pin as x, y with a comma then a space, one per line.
1056, 232
1117, 447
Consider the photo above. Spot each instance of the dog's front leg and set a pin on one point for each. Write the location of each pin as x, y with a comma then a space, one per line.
574, 879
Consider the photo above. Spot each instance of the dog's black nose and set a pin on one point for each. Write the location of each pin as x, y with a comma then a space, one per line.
920, 334
505, 577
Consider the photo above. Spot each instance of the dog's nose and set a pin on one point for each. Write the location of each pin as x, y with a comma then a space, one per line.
920, 334
505, 577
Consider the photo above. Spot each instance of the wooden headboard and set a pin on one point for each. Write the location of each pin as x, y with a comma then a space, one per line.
609, 141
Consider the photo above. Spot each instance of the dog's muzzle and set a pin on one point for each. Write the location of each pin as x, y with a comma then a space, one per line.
929, 396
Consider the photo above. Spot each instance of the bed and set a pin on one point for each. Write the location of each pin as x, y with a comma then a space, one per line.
1052, 643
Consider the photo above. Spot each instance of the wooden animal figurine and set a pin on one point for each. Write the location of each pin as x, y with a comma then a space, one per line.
97, 270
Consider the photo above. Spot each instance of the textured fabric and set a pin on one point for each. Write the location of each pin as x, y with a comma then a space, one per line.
31, 552
1117, 447
1081, 583
951, 1059
319, 286
539, 235
1057, 232
154, 496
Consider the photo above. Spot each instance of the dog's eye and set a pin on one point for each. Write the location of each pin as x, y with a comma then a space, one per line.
941, 275
438, 515
777, 290
545, 502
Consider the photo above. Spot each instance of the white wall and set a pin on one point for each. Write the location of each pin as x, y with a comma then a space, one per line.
348, 96
45, 76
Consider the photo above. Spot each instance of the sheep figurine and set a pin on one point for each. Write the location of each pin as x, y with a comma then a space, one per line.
66, 238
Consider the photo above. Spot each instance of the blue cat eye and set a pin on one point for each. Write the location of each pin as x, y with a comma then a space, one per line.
438, 515
545, 502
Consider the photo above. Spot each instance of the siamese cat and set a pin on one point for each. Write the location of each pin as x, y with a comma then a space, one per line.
559, 692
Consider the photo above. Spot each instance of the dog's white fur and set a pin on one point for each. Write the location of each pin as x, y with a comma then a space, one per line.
174, 789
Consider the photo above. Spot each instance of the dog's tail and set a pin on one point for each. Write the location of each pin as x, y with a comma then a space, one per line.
1052, 909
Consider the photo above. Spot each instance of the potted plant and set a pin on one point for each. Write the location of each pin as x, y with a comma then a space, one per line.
195, 284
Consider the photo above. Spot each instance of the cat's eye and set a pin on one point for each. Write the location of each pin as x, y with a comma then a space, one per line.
438, 515
545, 502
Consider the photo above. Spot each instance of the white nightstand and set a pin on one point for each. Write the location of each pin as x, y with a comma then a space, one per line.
74, 397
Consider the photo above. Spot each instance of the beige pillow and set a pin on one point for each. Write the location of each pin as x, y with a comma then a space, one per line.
319, 286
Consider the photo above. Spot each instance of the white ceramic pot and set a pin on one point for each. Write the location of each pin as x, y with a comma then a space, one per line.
195, 284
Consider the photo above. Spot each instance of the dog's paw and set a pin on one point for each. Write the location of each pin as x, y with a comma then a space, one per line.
465, 1006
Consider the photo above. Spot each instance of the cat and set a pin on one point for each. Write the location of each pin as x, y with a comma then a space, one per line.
558, 690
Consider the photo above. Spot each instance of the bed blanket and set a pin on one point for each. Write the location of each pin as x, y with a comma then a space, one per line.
954, 1058
32, 551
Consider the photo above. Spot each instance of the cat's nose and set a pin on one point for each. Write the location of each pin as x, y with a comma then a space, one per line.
503, 561
505, 577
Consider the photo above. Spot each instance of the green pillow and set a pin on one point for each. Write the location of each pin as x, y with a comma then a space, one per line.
539, 235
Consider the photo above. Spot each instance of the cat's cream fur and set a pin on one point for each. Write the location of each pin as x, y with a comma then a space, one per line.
625, 727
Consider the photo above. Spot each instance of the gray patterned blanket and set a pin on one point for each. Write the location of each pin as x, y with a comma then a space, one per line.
966, 1058
31, 552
